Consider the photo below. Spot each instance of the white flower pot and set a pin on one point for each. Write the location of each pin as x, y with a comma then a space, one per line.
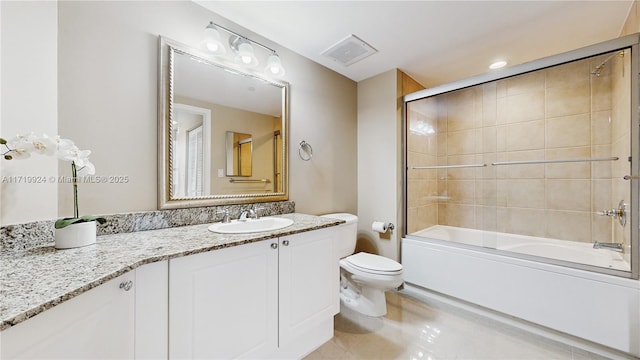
76, 235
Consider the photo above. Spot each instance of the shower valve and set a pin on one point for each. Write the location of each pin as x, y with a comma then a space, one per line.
614, 213
620, 213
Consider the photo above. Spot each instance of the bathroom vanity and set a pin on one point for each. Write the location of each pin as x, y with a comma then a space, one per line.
174, 293
124, 318
275, 297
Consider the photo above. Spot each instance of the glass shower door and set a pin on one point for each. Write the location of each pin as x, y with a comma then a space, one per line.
533, 164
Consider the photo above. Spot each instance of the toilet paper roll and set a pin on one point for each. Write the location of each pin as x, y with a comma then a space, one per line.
379, 226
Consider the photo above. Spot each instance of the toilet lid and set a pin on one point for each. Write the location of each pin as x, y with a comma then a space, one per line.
374, 263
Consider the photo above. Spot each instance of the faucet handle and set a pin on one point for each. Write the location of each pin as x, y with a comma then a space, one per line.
226, 218
620, 213
257, 211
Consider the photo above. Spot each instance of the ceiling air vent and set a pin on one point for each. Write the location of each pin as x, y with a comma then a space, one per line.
349, 50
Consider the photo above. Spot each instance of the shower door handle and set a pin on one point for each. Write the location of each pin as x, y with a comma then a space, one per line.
631, 177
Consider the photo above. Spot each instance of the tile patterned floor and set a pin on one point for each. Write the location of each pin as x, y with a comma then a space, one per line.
414, 330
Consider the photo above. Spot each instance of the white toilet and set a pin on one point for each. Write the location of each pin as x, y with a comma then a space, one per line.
364, 277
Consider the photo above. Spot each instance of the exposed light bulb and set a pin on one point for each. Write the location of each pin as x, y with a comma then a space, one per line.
246, 55
213, 47
212, 41
274, 66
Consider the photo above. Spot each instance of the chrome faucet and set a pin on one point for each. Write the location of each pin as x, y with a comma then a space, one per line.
246, 214
609, 246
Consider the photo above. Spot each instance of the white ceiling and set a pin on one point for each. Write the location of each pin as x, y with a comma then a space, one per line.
435, 42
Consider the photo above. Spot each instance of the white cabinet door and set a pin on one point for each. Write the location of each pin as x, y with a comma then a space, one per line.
223, 304
152, 311
309, 284
98, 324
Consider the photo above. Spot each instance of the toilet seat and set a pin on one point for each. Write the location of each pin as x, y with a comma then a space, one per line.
373, 264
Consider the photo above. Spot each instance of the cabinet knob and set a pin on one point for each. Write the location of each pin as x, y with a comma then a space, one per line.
126, 285
285, 242
274, 245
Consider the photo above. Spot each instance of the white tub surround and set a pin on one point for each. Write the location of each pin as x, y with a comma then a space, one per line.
603, 309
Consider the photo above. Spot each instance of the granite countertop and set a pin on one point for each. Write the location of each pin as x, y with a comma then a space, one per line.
37, 279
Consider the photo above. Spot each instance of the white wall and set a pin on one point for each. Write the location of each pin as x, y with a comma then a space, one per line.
107, 100
28, 104
378, 161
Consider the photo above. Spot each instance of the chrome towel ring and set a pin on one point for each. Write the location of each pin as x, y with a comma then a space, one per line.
305, 148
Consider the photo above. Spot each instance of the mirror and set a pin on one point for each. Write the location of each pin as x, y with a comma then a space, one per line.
238, 153
221, 132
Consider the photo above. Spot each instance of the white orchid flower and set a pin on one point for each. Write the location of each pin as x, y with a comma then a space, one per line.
63, 144
21, 146
87, 169
74, 154
18, 154
22, 139
44, 145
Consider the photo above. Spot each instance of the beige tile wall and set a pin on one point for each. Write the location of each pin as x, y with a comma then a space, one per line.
563, 112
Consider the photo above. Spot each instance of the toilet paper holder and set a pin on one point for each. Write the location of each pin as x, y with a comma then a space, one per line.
382, 227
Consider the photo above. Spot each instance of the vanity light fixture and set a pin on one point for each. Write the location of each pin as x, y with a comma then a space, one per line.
243, 47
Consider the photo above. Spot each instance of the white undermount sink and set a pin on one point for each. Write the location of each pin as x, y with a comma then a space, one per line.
251, 225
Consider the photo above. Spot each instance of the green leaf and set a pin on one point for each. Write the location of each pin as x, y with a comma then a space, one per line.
8, 157
2, 141
62, 223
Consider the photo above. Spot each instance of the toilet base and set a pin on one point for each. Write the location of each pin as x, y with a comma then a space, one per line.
364, 300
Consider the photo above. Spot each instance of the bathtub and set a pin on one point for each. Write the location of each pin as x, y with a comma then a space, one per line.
597, 307
571, 251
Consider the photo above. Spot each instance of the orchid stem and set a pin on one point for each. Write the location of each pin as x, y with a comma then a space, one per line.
74, 174
8, 150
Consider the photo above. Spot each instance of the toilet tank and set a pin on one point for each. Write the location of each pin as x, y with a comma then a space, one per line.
348, 233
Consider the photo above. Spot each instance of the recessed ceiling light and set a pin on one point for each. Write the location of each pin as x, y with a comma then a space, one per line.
497, 65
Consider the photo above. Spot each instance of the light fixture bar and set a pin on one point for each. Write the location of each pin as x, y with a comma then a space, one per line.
244, 37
